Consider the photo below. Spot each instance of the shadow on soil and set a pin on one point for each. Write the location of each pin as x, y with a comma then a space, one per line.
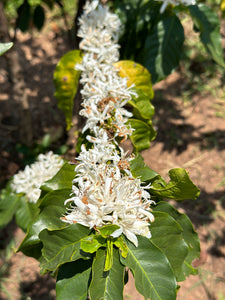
43, 287
37, 66
202, 212
174, 132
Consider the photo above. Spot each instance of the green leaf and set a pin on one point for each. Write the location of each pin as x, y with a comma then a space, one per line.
138, 18
92, 243
25, 213
107, 285
139, 169
136, 74
119, 243
23, 18
180, 186
62, 246
66, 80
208, 24
163, 47
9, 203
62, 180
52, 209
39, 17
189, 234
107, 230
152, 272
142, 135
142, 106
167, 235
5, 47
72, 280
109, 255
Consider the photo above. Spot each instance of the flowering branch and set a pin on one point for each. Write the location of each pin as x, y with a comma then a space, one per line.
104, 190
99, 219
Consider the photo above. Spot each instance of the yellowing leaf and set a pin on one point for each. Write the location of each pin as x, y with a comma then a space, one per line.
222, 5
136, 74
66, 80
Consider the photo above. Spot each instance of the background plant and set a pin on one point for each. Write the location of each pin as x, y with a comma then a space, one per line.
159, 37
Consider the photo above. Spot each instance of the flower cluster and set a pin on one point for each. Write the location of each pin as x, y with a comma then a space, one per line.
175, 3
104, 190
104, 92
32, 177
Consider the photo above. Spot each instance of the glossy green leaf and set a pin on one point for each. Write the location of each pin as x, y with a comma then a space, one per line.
136, 74
167, 235
119, 243
39, 17
52, 209
208, 24
138, 18
180, 186
154, 278
142, 106
107, 230
72, 280
62, 180
142, 135
5, 47
66, 80
92, 243
189, 234
62, 246
163, 47
25, 213
141, 170
107, 285
9, 203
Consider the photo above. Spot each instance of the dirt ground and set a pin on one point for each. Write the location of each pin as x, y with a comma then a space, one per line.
191, 134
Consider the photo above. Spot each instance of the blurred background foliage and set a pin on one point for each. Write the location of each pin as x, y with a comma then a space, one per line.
28, 14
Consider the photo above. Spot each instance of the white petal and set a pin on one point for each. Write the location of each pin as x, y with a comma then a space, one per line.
132, 237
148, 214
117, 232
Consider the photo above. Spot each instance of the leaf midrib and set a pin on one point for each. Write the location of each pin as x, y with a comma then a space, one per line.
148, 279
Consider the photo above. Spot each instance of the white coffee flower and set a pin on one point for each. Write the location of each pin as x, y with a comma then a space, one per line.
104, 92
105, 192
32, 177
175, 3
